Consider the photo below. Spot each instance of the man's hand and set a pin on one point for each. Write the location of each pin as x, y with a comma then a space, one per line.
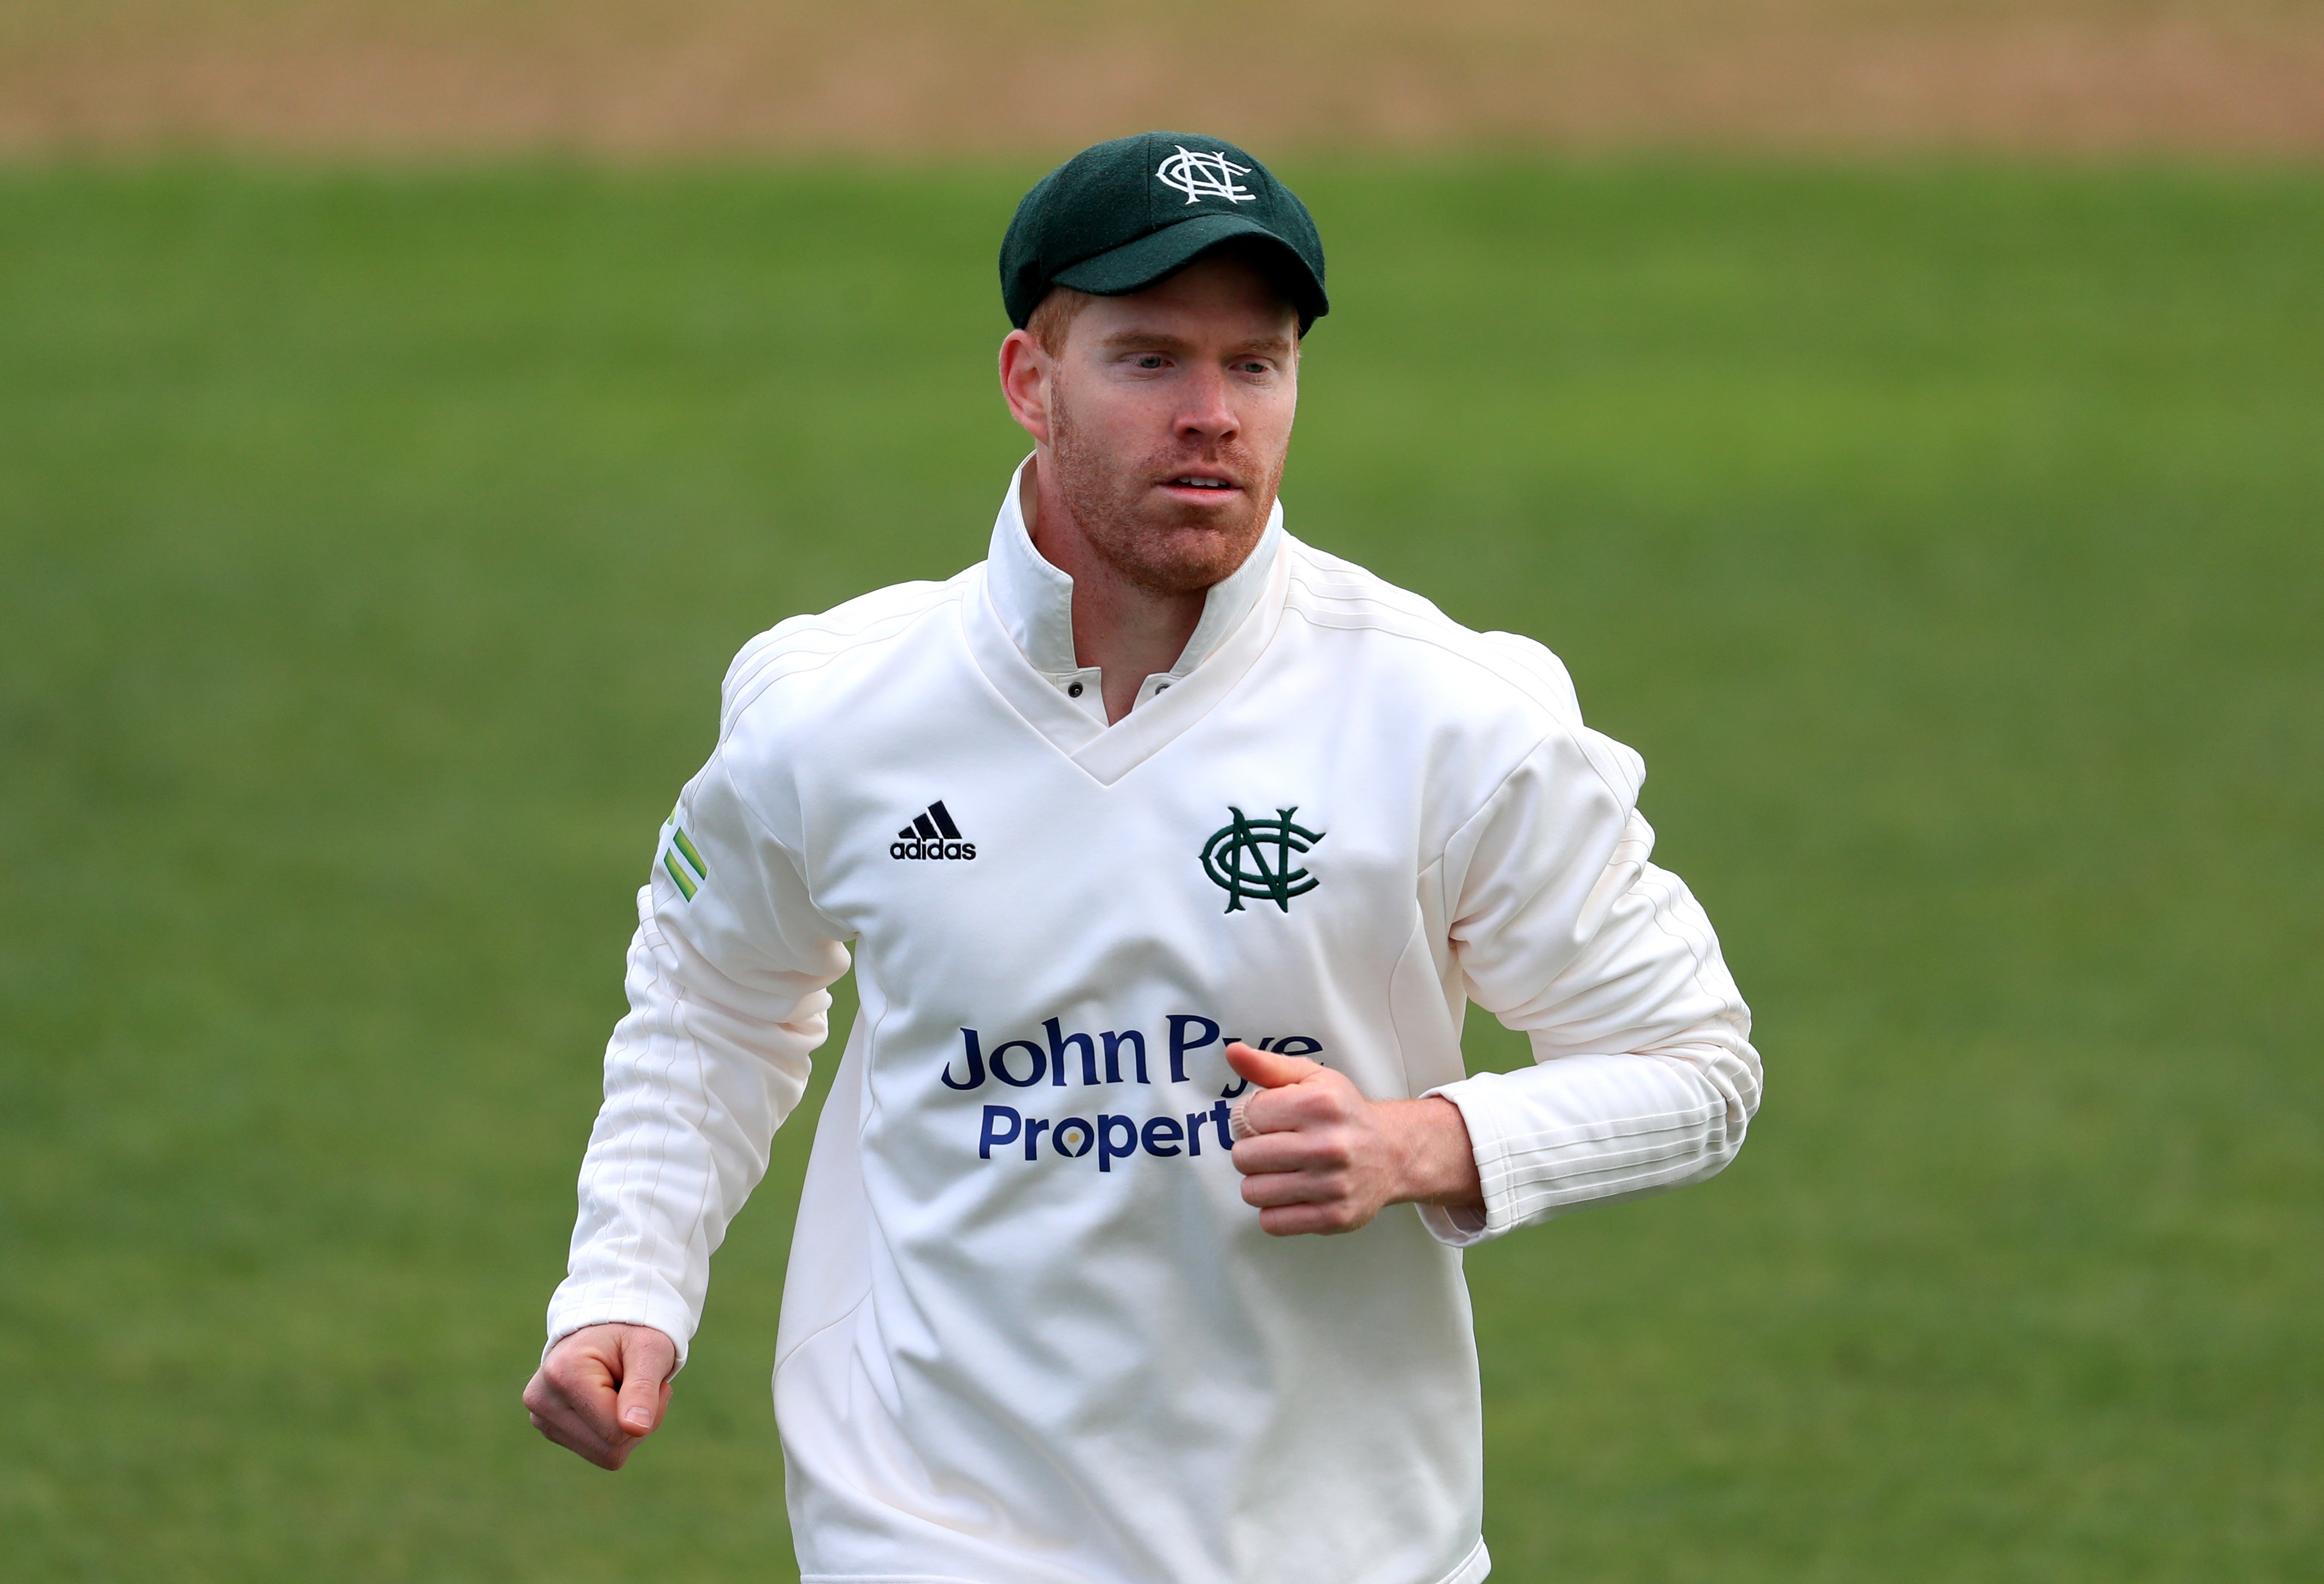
1323, 1159
602, 1389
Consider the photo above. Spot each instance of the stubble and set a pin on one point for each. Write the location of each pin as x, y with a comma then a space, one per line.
1151, 542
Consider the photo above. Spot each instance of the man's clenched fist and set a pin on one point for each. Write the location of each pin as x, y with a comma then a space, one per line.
1320, 1157
602, 1389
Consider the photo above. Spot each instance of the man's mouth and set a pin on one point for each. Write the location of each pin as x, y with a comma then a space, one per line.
1189, 481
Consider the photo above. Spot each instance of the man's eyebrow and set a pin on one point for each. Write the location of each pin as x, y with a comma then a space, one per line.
1157, 341
1154, 339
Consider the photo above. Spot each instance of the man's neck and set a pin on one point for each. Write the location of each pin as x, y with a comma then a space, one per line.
1128, 632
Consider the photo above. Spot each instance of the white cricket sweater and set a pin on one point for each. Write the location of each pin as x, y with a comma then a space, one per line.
1031, 1333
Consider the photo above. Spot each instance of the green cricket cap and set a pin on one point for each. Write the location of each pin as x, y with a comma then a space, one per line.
1120, 216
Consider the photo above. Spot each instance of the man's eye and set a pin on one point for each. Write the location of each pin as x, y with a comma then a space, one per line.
1150, 360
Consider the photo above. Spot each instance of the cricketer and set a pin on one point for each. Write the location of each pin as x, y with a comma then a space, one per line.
1168, 852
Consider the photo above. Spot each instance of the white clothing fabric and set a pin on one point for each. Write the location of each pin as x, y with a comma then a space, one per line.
1031, 1334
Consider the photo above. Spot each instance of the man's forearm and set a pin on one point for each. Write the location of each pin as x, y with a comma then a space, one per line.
1440, 1163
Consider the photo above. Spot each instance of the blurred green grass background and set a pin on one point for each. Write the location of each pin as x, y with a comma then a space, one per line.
1947, 538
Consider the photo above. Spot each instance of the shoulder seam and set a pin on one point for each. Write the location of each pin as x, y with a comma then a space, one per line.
1572, 727
765, 655
1459, 652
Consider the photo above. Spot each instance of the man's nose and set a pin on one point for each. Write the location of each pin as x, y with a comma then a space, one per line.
1208, 413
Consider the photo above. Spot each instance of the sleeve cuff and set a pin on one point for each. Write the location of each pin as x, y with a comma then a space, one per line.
676, 1327
1456, 1229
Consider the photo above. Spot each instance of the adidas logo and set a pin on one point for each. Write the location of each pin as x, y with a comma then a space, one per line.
931, 834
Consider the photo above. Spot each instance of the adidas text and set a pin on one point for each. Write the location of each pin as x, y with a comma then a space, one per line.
920, 848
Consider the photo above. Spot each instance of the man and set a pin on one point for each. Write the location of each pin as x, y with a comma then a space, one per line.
1172, 851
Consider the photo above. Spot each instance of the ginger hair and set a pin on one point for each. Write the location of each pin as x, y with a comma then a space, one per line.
1054, 316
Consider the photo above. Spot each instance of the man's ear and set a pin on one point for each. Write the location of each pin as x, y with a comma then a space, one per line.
1025, 373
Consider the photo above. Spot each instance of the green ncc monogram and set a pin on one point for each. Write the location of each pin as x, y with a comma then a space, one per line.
1253, 856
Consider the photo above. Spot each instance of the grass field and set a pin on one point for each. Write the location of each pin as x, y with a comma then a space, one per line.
1948, 539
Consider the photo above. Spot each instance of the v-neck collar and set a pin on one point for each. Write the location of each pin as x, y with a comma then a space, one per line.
1018, 618
1035, 601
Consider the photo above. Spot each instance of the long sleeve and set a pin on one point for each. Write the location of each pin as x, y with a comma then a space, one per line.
727, 983
1644, 1076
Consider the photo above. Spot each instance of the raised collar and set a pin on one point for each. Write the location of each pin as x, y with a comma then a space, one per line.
1035, 603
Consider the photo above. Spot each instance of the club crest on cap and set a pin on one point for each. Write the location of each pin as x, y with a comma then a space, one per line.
1200, 176
1097, 224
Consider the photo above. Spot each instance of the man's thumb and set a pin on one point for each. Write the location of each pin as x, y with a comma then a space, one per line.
644, 1369
1267, 1068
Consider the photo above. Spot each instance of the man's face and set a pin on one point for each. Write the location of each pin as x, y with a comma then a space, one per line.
1169, 418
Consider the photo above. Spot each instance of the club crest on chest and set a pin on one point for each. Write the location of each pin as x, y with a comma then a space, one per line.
1258, 859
